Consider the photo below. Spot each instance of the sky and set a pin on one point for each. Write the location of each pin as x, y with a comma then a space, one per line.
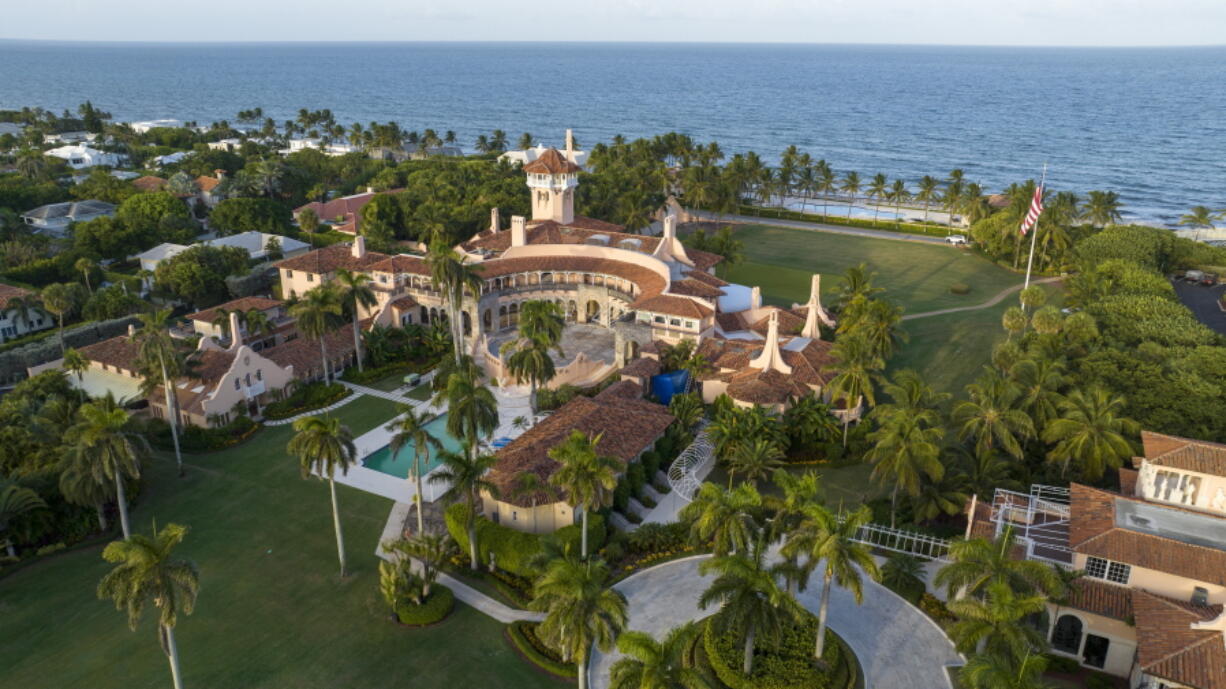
941, 22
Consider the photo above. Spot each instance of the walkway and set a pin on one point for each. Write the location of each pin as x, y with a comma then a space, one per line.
314, 412
898, 646
1000, 296
382, 394
818, 227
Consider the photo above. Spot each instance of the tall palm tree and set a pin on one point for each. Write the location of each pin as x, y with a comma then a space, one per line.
977, 563
579, 610
826, 184
586, 476
851, 186
472, 412
724, 518
527, 357
157, 353
991, 416
16, 500
1102, 208
410, 429
113, 450
828, 540
997, 621
84, 266
318, 313
898, 194
355, 293
322, 445
61, 300
754, 459
1041, 380
1092, 429
1002, 671
855, 366
880, 323
1200, 216
76, 363
750, 598
146, 571
453, 276
878, 189
927, 192
78, 486
650, 664
464, 474
906, 448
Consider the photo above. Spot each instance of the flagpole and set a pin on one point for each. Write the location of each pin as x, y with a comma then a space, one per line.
1034, 231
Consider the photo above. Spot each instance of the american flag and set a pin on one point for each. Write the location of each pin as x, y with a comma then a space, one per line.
1036, 208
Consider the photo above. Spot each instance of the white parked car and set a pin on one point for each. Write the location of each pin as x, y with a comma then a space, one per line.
956, 239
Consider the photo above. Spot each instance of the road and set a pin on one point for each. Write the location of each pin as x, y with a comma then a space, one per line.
1203, 303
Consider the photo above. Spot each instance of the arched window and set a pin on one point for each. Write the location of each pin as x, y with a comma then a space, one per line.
467, 320
503, 321
1066, 636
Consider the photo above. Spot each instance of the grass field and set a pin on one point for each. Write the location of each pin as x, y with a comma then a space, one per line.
272, 610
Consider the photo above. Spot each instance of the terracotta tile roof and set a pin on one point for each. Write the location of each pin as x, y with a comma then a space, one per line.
622, 389
303, 352
703, 260
583, 222
1183, 453
329, 259
695, 288
207, 183
551, 162
789, 323
810, 369
404, 303
648, 281
401, 264
703, 276
243, 304
211, 365
1168, 647
730, 322
1093, 531
119, 351
1100, 598
9, 292
628, 427
642, 367
346, 208
149, 183
1128, 481
673, 306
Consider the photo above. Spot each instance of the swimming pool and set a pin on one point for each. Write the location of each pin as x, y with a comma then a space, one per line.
381, 460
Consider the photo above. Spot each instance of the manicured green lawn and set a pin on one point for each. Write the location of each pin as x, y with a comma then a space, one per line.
272, 611
848, 486
916, 275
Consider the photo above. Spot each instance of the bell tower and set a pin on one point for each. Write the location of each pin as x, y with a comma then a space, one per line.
552, 179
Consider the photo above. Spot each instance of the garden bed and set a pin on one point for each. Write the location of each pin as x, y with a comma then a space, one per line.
787, 664
522, 636
435, 608
307, 398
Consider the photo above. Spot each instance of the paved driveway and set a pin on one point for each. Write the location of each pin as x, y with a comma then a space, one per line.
1202, 302
898, 646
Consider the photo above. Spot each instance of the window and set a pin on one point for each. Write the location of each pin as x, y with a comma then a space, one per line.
1095, 652
289, 274
676, 322
659, 319
689, 324
1066, 635
1200, 595
514, 516
310, 277
1114, 572
238, 384
259, 374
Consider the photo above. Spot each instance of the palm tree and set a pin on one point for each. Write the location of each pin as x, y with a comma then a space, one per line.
977, 563
855, 366
16, 500
579, 610
146, 572
465, 476
808, 421
79, 487
453, 276
410, 429
1040, 379
826, 184
997, 621
749, 597
84, 266
472, 412
61, 299
586, 476
1002, 671
880, 323
754, 459
898, 194
76, 363
540, 328
355, 293
991, 416
927, 192
157, 352
651, 664
114, 452
1200, 216
318, 313
878, 189
1091, 429
322, 445
857, 281
1102, 208
851, 185
723, 518
829, 540
906, 448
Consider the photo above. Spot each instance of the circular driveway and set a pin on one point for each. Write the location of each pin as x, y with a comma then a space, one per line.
898, 646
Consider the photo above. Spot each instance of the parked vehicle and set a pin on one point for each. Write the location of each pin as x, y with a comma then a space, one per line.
1209, 280
1194, 275
957, 239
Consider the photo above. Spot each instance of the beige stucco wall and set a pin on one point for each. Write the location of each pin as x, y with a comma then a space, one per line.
295, 283
1123, 638
256, 377
542, 519
1162, 583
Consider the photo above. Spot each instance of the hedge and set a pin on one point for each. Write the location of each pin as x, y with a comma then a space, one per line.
785, 665
307, 398
523, 636
199, 439
437, 606
882, 225
514, 549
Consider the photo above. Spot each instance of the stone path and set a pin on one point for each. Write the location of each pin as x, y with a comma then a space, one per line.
898, 646
818, 227
314, 412
382, 394
1000, 296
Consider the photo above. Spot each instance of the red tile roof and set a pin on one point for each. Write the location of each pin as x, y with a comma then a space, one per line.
243, 304
329, 259
690, 287
119, 351
303, 352
9, 292
1099, 597
642, 367
1168, 647
148, 183
551, 162
673, 306
810, 369
206, 183
1184, 453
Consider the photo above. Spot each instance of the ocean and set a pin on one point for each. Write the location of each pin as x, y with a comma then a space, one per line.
1147, 123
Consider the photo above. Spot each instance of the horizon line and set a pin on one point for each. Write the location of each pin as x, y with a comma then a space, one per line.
292, 42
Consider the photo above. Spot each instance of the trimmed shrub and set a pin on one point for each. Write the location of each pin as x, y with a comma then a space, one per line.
437, 606
651, 463
960, 288
636, 477
787, 664
621, 495
1057, 663
932, 606
523, 637
513, 549
306, 398
198, 439
654, 538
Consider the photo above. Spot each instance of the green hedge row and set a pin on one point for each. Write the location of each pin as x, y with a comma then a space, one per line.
523, 636
882, 225
198, 439
437, 606
514, 549
371, 375
785, 665
306, 398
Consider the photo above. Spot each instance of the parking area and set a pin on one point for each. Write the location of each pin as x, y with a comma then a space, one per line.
1203, 302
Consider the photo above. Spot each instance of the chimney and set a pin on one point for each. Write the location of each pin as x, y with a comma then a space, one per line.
236, 336
370, 190
359, 246
219, 173
570, 146
495, 221
755, 297
670, 227
519, 230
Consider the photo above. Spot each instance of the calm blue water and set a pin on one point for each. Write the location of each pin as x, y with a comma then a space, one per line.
402, 464
1147, 123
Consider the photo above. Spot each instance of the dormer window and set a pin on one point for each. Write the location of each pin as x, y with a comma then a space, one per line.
1114, 572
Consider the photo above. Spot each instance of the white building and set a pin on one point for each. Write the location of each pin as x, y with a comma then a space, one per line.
80, 156
171, 158
14, 324
69, 137
54, 218
254, 243
229, 145
333, 149
143, 127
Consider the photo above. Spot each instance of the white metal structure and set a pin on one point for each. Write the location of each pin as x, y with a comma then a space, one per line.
686, 473
1039, 519
904, 541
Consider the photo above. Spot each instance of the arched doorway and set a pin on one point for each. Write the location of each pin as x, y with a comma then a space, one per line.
513, 313
572, 311
425, 316
592, 311
1066, 635
487, 320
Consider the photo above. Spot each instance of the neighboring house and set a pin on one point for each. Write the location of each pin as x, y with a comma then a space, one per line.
149, 183
143, 127
1149, 605
627, 426
343, 214
209, 322
80, 156
69, 137
13, 323
171, 158
229, 145
210, 195
54, 218
254, 243
333, 149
